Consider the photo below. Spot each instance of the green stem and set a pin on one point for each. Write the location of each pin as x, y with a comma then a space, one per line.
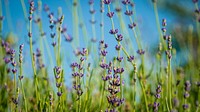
23, 93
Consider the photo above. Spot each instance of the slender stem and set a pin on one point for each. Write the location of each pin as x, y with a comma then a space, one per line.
23, 93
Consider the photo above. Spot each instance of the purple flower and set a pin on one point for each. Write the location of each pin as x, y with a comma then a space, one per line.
14, 70
113, 31
128, 12
118, 47
185, 106
125, 2
57, 70
131, 26
164, 22
6, 60
110, 14
104, 65
107, 2
59, 93
119, 59
73, 65
119, 37
186, 95
21, 77
104, 52
84, 52
130, 58
58, 85
140, 51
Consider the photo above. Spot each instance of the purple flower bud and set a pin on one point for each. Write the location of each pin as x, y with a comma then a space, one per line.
113, 31
119, 37
14, 70
119, 59
107, 2
140, 52
131, 26
6, 60
186, 95
53, 35
104, 52
30, 34
110, 14
53, 44
59, 94
14, 64
21, 77
118, 47
130, 58
185, 106
58, 85
128, 12
125, 2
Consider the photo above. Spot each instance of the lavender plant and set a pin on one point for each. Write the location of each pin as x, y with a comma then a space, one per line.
122, 73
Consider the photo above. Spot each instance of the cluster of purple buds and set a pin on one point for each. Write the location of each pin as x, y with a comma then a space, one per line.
158, 91
110, 14
114, 101
118, 70
51, 99
155, 106
107, 2
39, 58
57, 72
78, 89
113, 31
76, 74
111, 110
118, 47
128, 12
119, 37
131, 26
102, 47
14, 64
84, 52
107, 77
120, 59
130, 58
186, 94
126, 2
140, 51
31, 8
15, 101
104, 52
